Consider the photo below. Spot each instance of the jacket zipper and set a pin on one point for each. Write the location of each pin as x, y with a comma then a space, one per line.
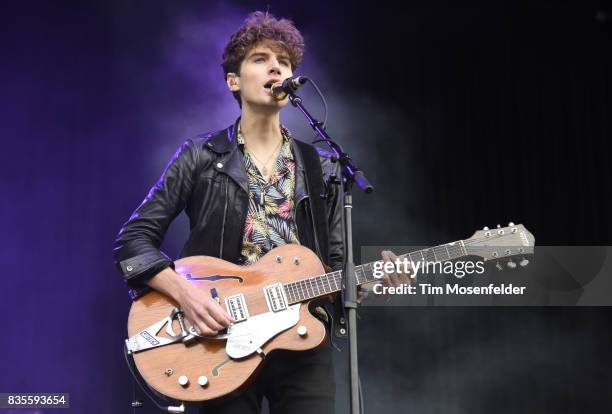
295, 213
224, 217
314, 229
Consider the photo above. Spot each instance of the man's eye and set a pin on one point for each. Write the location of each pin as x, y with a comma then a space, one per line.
284, 62
259, 59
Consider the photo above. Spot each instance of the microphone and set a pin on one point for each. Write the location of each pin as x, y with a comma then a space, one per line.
279, 91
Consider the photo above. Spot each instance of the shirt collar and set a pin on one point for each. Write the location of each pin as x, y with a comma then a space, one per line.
285, 133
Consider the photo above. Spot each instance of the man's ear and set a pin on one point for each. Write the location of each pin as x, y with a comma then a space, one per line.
233, 82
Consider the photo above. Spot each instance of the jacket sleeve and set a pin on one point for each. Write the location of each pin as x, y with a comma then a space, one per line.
335, 219
137, 246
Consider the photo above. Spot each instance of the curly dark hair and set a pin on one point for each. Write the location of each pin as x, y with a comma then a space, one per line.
258, 27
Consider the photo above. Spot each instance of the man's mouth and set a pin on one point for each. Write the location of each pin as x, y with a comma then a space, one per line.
271, 82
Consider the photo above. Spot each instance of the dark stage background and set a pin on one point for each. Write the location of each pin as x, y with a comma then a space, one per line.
464, 114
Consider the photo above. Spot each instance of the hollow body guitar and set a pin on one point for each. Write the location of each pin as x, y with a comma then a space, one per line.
270, 301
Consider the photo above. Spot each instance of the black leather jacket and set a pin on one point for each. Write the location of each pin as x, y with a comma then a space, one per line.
207, 179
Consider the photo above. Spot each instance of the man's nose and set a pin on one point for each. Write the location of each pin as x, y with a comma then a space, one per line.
274, 67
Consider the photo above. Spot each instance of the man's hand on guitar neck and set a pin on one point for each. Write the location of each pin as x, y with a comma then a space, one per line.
394, 278
205, 314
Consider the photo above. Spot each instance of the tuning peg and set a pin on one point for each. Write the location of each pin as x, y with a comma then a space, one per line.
485, 228
524, 262
498, 266
511, 224
511, 264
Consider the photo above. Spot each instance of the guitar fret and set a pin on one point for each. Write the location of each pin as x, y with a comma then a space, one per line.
463, 246
296, 292
440, 254
313, 285
361, 272
321, 285
370, 275
288, 292
328, 284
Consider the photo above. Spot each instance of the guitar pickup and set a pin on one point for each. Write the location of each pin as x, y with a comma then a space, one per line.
275, 297
236, 307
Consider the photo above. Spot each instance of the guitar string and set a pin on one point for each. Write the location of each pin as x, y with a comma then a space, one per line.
319, 278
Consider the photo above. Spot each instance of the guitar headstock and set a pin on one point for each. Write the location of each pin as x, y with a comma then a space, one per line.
502, 243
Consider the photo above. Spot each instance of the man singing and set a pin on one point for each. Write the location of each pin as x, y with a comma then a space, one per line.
246, 189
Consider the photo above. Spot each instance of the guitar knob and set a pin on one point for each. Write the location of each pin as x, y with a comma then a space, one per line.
485, 228
183, 380
511, 224
499, 226
203, 381
511, 264
498, 266
302, 330
524, 262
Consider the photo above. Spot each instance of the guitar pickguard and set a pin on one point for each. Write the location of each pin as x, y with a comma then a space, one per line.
248, 336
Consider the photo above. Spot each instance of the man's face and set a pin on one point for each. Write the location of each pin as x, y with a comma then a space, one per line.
265, 64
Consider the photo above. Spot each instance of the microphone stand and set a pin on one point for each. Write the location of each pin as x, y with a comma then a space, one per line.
351, 175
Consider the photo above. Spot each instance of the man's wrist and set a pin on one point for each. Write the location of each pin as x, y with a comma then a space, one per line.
169, 283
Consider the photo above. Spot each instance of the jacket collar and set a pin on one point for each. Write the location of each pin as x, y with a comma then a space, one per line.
225, 144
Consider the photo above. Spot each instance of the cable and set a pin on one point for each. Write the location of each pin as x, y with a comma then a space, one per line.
135, 378
314, 85
361, 409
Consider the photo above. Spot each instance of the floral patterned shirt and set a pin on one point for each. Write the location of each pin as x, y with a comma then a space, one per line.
269, 222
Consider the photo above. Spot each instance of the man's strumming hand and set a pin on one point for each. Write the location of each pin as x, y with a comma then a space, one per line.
204, 313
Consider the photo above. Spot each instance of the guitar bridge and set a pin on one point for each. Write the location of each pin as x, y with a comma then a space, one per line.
148, 339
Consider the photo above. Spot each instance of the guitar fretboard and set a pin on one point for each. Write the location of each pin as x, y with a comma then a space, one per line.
328, 283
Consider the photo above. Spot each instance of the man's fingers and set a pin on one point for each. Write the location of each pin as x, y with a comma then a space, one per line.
219, 314
405, 278
385, 255
211, 323
394, 280
204, 330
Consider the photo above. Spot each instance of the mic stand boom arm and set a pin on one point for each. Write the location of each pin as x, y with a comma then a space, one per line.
350, 174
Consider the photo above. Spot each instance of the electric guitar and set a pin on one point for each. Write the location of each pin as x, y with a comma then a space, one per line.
271, 302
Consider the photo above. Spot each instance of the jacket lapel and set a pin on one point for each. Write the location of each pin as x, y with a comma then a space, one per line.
229, 162
300, 178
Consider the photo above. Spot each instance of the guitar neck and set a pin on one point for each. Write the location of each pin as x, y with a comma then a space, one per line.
329, 283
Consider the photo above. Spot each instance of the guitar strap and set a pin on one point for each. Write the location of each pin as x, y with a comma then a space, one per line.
317, 192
